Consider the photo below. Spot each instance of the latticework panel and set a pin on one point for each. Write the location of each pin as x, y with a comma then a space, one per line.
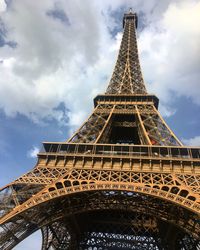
116, 230
145, 118
157, 130
191, 181
91, 129
56, 236
28, 184
127, 77
14, 232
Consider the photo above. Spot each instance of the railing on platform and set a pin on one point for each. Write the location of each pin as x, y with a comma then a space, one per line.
121, 150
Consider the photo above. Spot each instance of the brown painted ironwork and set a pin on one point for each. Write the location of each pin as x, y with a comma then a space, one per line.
122, 181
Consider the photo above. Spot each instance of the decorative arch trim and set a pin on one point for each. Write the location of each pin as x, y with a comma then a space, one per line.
59, 189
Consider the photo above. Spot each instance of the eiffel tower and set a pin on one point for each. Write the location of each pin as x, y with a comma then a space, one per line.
122, 181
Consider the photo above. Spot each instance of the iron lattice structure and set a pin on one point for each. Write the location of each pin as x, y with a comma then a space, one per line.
122, 181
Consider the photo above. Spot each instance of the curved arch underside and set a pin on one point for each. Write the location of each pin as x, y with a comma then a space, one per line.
144, 221
78, 180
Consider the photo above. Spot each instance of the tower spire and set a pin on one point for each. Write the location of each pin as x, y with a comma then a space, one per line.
127, 77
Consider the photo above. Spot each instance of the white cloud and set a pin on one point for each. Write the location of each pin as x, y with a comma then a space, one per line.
2, 5
166, 111
70, 62
195, 141
53, 62
170, 50
32, 153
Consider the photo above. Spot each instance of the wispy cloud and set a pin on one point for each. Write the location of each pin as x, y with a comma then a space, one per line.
57, 61
195, 141
2, 5
32, 153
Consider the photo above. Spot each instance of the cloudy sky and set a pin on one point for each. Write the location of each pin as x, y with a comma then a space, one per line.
55, 56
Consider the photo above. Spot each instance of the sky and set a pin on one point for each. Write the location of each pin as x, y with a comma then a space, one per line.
57, 55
